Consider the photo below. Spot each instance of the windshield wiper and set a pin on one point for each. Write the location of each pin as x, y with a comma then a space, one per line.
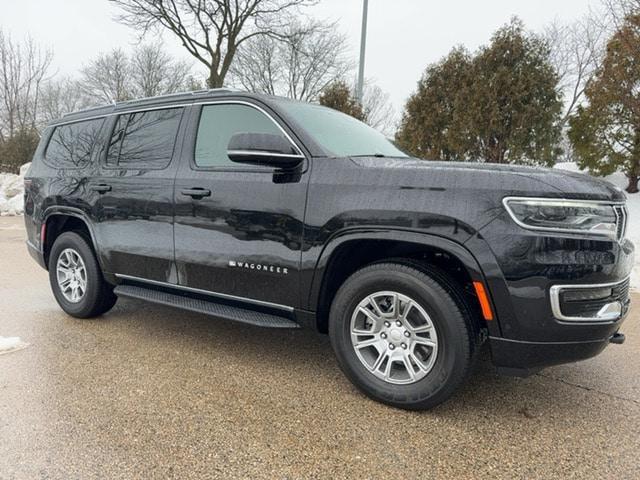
377, 155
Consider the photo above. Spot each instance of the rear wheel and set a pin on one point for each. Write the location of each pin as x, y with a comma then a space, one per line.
401, 334
76, 279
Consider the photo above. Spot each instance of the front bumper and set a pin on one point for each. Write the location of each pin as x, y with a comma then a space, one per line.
534, 282
572, 337
521, 359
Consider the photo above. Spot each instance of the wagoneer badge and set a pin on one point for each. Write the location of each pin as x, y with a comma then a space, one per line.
259, 267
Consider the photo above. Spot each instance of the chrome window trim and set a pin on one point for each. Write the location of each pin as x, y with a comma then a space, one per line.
177, 105
260, 109
554, 298
583, 233
206, 292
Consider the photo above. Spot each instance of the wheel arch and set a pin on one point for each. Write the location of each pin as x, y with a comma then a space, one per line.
57, 220
354, 249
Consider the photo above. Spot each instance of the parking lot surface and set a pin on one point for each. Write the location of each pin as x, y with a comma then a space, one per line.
153, 392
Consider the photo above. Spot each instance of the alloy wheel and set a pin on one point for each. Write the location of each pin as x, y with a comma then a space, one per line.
394, 337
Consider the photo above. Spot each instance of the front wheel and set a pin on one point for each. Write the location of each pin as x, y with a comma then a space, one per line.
76, 279
402, 335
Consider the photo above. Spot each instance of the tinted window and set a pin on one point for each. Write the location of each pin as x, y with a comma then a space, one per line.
218, 123
144, 139
340, 134
70, 145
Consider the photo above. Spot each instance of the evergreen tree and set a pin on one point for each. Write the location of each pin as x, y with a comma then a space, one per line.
432, 123
606, 133
339, 97
500, 105
18, 149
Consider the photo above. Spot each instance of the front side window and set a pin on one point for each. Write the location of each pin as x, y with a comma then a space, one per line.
70, 145
144, 139
218, 123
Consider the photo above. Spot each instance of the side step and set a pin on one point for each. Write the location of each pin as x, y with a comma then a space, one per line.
229, 312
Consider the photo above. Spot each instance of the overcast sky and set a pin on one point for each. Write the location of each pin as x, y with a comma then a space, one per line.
404, 35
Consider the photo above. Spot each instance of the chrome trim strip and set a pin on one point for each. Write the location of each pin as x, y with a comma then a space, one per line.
584, 233
264, 154
554, 297
205, 292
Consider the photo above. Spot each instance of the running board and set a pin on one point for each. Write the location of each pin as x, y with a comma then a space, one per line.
229, 312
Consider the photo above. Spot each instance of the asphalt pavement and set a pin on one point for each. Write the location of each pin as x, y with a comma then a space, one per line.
153, 392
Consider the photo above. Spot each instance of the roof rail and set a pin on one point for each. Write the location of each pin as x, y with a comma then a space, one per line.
89, 109
137, 100
216, 90
157, 97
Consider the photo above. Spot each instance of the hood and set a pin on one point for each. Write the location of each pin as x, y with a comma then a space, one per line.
512, 179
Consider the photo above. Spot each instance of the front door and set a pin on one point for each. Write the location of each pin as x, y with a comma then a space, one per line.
238, 228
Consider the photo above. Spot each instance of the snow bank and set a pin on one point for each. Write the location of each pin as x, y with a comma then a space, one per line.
11, 344
633, 204
12, 192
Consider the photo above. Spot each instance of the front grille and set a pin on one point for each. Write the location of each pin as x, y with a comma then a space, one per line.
621, 221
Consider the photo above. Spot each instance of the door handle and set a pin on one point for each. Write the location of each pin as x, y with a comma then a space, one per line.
196, 193
100, 188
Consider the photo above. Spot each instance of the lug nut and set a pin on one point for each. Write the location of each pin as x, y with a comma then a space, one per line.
399, 323
407, 334
383, 335
404, 345
391, 346
387, 324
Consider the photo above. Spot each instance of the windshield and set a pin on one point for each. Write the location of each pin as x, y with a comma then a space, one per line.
340, 134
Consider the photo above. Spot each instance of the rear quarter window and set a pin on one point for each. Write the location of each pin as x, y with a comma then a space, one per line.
71, 145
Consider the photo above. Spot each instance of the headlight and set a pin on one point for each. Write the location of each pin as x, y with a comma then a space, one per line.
568, 216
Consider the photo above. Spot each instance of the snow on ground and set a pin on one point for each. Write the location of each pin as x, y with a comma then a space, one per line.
11, 344
633, 205
12, 192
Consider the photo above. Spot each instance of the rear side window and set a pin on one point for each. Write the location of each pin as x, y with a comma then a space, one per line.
218, 123
70, 145
144, 140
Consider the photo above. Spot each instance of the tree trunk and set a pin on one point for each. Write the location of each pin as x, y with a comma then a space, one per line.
215, 80
633, 183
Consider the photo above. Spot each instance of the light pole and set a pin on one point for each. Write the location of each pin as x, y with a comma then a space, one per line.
363, 47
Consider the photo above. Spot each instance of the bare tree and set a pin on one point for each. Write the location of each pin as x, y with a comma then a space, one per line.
107, 78
155, 72
23, 69
310, 57
618, 10
59, 97
577, 50
258, 66
211, 30
147, 72
378, 111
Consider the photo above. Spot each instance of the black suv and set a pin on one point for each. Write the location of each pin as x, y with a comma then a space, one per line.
284, 214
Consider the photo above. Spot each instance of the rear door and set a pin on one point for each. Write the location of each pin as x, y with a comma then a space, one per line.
133, 194
238, 228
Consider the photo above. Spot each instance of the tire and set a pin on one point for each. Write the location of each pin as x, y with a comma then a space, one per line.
438, 348
70, 249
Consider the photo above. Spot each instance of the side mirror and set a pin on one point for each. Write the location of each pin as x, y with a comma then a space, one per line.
263, 149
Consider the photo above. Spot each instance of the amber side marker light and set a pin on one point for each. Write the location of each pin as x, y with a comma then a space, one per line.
484, 300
